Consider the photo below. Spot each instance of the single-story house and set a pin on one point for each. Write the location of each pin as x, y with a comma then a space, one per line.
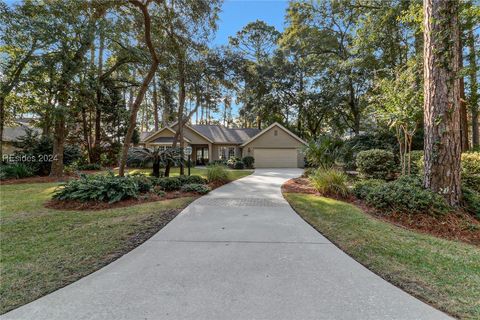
15, 131
272, 147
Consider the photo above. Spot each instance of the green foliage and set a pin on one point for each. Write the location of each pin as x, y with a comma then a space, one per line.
108, 187
217, 173
323, 152
89, 166
307, 172
416, 162
471, 163
248, 161
169, 183
235, 163
144, 183
471, 201
377, 140
40, 148
330, 181
376, 163
471, 181
406, 195
15, 171
192, 179
363, 188
195, 187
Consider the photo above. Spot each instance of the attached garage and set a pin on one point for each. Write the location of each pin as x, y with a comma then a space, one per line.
275, 158
275, 147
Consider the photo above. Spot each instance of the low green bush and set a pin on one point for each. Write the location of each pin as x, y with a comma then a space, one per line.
362, 188
108, 187
195, 187
308, 172
406, 195
145, 184
471, 181
416, 162
15, 171
376, 163
239, 165
248, 161
471, 201
330, 181
471, 163
169, 183
192, 179
89, 166
217, 173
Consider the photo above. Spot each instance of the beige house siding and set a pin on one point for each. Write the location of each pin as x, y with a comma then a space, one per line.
282, 140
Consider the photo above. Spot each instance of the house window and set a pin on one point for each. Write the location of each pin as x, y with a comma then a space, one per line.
225, 153
275, 133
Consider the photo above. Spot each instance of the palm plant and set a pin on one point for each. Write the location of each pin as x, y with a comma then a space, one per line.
158, 157
323, 152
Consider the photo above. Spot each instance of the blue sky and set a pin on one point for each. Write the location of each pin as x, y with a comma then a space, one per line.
237, 13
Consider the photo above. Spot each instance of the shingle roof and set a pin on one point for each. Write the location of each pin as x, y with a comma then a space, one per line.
221, 134
11, 134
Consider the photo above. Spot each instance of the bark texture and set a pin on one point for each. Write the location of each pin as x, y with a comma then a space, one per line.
442, 99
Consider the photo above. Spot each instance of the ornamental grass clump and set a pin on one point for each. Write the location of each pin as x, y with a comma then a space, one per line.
217, 173
330, 182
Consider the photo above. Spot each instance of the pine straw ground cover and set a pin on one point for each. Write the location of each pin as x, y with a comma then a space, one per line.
441, 272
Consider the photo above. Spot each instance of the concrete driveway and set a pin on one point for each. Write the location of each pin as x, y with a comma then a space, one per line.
239, 253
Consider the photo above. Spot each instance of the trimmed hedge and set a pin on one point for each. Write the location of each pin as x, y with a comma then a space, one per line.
195, 187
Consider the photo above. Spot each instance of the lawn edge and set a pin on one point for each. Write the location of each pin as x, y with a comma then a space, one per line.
339, 246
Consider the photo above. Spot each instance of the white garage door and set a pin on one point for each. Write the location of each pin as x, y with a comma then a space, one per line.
275, 158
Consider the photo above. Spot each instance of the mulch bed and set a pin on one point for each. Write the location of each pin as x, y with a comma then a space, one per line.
75, 205
458, 225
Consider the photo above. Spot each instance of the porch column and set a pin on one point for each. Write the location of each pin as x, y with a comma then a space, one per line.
210, 152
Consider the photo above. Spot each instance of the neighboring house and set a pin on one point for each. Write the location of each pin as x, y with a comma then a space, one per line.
272, 147
12, 133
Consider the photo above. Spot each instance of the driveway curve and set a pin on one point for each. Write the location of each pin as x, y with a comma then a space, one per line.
240, 252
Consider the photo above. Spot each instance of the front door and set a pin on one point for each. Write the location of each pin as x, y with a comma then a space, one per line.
202, 155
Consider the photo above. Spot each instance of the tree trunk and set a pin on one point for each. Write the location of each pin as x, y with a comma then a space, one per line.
463, 105
143, 88
442, 99
98, 105
473, 99
2, 124
155, 105
58, 144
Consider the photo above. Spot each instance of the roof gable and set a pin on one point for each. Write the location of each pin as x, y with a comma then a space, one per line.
275, 124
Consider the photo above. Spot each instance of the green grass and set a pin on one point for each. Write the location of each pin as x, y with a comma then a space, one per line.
44, 249
443, 273
234, 174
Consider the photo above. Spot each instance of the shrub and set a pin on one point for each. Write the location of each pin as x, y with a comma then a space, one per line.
471, 181
248, 161
108, 187
196, 187
323, 152
144, 183
471, 201
217, 173
471, 163
239, 165
192, 179
376, 163
219, 162
408, 196
362, 142
169, 183
89, 166
308, 172
363, 188
330, 181
15, 171
416, 162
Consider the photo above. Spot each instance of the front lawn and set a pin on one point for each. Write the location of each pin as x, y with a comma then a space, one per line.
234, 174
443, 273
